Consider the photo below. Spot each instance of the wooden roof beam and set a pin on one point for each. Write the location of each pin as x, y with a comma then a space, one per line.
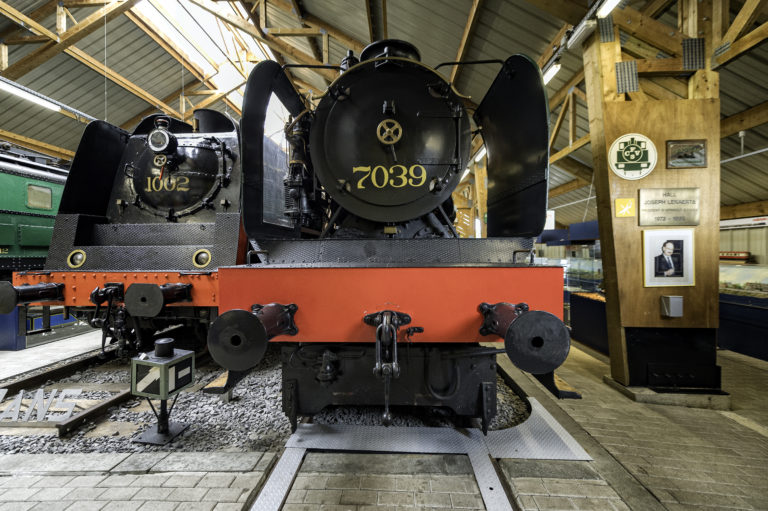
554, 45
67, 39
70, 4
133, 121
570, 186
562, 153
654, 8
744, 19
25, 21
468, 28
36, 145
369, 18
743, 45
148, 27
212, 99
744, 210
649, 30
26, 39
278, 46
314, 22
560, 95
41, 12
745, 120
85, 59
120, 80
575, 168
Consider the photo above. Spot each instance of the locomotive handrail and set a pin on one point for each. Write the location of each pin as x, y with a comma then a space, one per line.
469, 63
312, 66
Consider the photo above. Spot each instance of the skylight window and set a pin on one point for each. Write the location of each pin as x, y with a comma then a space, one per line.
208, 42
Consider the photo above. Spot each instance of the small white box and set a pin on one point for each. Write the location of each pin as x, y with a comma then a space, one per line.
672, 306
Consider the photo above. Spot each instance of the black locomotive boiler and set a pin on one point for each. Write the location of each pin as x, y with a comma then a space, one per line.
359, 273
145, 219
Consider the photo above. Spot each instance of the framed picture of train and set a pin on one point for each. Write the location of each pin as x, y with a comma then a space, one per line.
686, 154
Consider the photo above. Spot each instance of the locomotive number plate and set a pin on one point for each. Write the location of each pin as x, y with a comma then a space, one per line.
396, 176
168, 184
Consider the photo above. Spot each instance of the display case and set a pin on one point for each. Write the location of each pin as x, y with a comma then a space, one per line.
745, 280
744, 309
584, 274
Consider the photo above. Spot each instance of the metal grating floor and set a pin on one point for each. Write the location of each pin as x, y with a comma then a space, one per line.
539, 437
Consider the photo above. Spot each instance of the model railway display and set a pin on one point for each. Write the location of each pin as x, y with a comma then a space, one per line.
353, 264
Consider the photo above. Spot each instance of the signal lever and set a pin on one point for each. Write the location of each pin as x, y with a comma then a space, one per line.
387, 323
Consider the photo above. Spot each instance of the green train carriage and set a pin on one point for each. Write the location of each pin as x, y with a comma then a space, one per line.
30, 191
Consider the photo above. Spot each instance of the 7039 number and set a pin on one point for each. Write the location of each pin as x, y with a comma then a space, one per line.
396, 176
169, 184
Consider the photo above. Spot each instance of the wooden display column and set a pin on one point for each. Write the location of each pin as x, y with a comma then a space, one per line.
646, 347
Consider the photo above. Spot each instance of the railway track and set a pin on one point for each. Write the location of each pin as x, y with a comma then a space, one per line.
59, 377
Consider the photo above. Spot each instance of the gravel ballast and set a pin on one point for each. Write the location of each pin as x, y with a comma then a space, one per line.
252, 421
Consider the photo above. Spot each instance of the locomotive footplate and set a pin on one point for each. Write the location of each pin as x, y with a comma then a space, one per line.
457, 377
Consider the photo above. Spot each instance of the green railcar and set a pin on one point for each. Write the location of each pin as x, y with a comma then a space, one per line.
30, 191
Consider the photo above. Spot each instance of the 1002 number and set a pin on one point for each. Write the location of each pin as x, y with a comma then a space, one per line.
169, 184
396, 176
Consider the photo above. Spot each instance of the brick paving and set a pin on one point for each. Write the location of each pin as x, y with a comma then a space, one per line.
154, 488
689, 458
674, 458
387, 482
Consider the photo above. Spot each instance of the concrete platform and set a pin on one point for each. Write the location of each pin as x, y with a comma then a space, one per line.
17, 362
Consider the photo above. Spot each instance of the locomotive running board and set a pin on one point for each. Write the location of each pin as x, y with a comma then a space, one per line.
539, 437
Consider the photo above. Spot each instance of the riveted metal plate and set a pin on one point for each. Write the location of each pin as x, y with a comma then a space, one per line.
540, 437
694, 50
494, 496
626, 77
605, 26
280, 481
377, 438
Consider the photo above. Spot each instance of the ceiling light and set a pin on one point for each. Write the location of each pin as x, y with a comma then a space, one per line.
580, 33
551, 72
16, 90
480, 154
606, 8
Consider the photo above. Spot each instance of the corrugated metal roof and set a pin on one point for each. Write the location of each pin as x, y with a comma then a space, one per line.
503, 27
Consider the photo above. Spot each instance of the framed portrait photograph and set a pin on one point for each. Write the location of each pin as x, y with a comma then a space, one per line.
686, 154
668, 258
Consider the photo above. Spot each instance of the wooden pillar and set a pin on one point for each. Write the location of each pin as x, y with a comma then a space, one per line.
646, 346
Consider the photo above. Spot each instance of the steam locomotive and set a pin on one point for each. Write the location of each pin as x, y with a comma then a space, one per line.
354, 265
144, 220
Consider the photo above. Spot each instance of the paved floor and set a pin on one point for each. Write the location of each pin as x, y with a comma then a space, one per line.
128, 482
17, 362
646, 457
690, 459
